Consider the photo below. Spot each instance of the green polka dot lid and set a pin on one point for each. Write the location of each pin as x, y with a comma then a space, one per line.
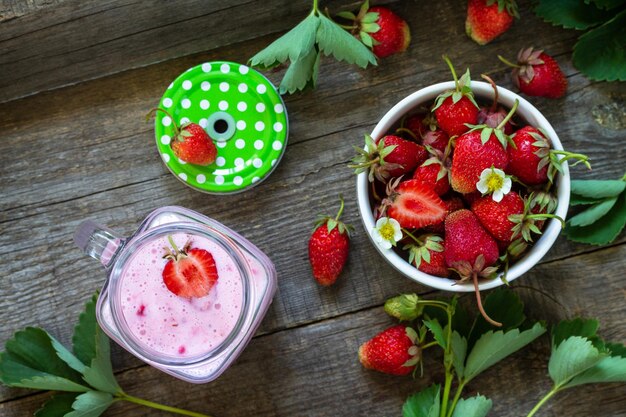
240, 110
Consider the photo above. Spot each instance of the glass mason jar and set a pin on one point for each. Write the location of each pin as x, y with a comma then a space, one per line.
192, 338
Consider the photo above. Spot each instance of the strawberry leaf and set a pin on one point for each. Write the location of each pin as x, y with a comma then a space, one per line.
459, 352
606, 4
593, 213
608, 369
616, 349
492, 347
597, 189
477, 406
503, 305
58, 406
91, 404
437, 331
602, 231
294, 45
571, 358
333, 40
586, 328
570, 14
600, 54
301, 74
425, 403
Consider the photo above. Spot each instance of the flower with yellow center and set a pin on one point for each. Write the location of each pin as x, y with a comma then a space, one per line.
387, 232
495, 182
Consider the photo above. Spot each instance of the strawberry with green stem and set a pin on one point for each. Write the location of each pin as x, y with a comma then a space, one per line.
379, 28
190, 143
480, 148
537, 74
427, 254
471, 252
488, 19
329, 247
393, 351
533, 161
526, 223
190, 272
435, 171
456, 108
389, 157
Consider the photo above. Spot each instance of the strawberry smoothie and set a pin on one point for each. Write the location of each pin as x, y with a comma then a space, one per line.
171, 325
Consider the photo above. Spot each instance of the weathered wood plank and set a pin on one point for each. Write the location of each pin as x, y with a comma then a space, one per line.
313, 370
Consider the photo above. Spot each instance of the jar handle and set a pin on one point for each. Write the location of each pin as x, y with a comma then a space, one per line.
98, 241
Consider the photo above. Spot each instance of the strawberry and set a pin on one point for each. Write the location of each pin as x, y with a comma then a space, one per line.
480, 148
494, 115
534, 213
542, 202
413, 204
488, 19
328, 248
427, 255
380, 29
190, 272
424, 128
494, 216
452, 204
392, 351
433, 174
191, 143
437, 139
537, 74
390, 157
454, 109
532, 161
471, 251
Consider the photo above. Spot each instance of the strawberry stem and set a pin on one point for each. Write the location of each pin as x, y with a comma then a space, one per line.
508, 116
543, 216
340, 208
480, 303
158, 406
494, 105
456, 79
407, 131
315, 9
171, 240
507, 62
569, 155
156, 109
419, 242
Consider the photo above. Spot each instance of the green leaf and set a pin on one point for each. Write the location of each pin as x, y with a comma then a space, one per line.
346, 15
597, 189
571, 358
294, 45
577, 200
604, 230
57, 406
31, 361
459, 352
436, 330
616, 349
600, 54
92, 346
608, 369
477, 406
425, 403
333, 40
301, 74
576, 327
493, 347
570, 14
503, 305
593, 213
606, 4
91, 404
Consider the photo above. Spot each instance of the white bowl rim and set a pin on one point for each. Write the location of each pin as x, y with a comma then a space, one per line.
528, 112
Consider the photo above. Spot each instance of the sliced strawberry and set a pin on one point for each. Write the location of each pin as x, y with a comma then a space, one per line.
189, 272
414, 204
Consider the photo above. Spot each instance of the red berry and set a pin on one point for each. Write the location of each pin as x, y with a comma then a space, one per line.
471, 157
190, 272
452, 204
393, 36
494, 216
538, 74
486, 20
390, 350
328, 248
524, 160
414, 205
466, 240
428, 175
428, 257
452, 117
437, 139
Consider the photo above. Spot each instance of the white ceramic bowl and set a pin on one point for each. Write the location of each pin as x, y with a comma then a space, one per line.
483, 92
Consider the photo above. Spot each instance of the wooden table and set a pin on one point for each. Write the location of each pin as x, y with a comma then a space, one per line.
77, 78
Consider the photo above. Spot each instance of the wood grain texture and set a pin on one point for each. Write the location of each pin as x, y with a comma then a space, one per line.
85, 152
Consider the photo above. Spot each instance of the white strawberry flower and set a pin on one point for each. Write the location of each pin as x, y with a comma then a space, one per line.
387, 232
495, 182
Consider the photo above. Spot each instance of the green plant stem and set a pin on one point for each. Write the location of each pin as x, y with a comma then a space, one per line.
446, 393
430, 344
456, 398
507, 62
543, 401
158, 406
315, 9
340, 208
456, 79
509, 115
412, 237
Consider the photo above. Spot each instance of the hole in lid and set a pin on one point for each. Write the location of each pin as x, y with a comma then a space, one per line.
220, 126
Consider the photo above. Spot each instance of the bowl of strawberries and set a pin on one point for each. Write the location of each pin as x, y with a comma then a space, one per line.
463, 187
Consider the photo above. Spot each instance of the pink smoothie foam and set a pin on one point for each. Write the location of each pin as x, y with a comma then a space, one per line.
172, 325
